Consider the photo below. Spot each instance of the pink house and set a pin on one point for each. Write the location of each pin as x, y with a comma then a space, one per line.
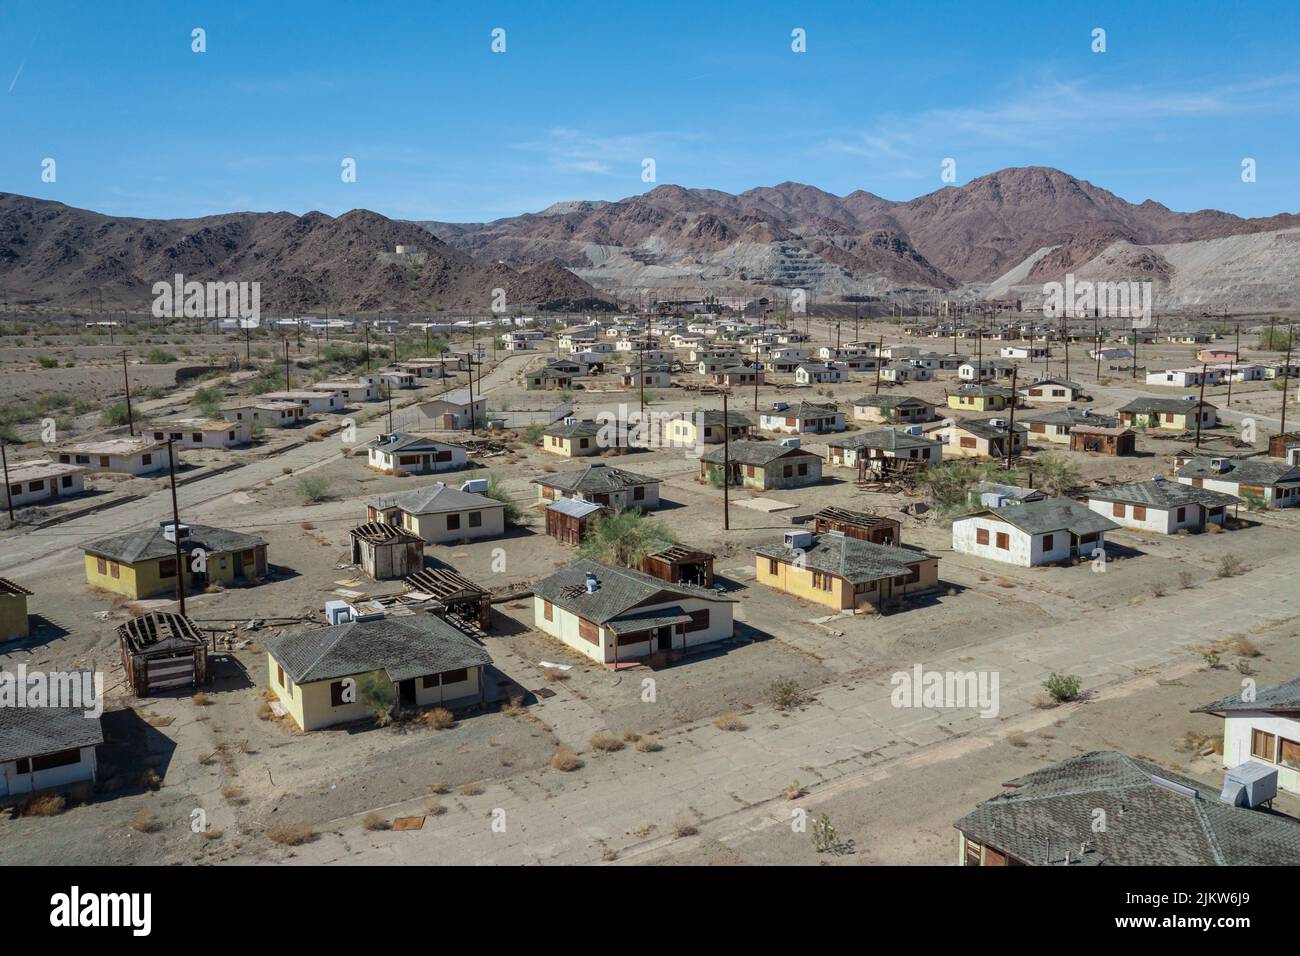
1216, 355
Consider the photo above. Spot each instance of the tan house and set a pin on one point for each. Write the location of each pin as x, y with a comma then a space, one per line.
141, 564
125, 456
201, 432
31, 482
981, 438
893, 409
1170, 414
760, 465
601, 484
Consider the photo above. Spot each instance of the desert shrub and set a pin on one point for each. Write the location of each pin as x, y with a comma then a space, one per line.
1062, 687
607, 743
313, 488
1230, 566
730, 722
784, 693
648, 745
565, 760
375, 821
287, 833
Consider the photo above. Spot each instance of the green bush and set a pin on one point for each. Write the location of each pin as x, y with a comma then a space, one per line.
1062, 687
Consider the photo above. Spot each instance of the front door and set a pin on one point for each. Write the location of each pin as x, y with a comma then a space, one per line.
664, 641
406, 692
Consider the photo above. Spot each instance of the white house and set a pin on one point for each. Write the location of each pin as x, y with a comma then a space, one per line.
266, 414
1275, 483
828, 372
1025, 351
439, 513
615, 615
454, 410
201, 432
312, 401
1161, 506
31, 482
1052, 390
1033, 533
522, 340
1185, 377
1265, 729
128, 456
350, 392
801, 418
46, 747
900, 372
413, 454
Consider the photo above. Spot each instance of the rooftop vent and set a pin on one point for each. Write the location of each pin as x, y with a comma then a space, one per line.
798, 539
593, 583
170, 530
1250, 784
1178, 788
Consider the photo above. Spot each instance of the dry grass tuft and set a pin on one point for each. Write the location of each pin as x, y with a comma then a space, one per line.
607, 743
794, 791
1246, 647
648, 745
730, 722
565, 760
375, 821
43, 805
286, 833
201, 699
684, 827
144, 822
442, 718
472, 789
439, 788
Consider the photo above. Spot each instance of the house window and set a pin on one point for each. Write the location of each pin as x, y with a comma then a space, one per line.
453, 522
167, 568
67, 481
1048, 541
638, 493
101, 565
1288, 753
967, 442
1117, 509
699, 621
1004, 541
103, 461
1182, 514
336, 693
1140, 513
1262, 745
773, 566
63, 758
981, 535
279, 673
588, 631
146, 459
455, 676
476, 519
787, 472
115, 569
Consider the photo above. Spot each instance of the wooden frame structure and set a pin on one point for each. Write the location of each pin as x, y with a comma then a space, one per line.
859, 524
162, 650
678, 564
453, 595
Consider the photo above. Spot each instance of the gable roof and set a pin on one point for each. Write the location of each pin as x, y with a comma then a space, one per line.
802, 410
1048, 515
406, 442
1076, 386
1285, 697
887, 439
1071, 417
149, 544
981, 391
1250, 471
575, 507
713, 416
402, 647
759, 453
1046, 814
36, 731
1176, 406
596, 477
620, 590
891, 401
436, 498
982, 428
583, 428
853, 559
1163, 494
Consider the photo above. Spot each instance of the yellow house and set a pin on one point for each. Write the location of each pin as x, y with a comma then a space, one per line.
1171, 414
142, 563
347, 672
979, 398
574, 439
842, 572
13, 610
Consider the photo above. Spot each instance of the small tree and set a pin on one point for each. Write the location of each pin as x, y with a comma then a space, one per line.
376, 692
625, 537
114, 414
824, 836
313, 488
497, 491
208, 401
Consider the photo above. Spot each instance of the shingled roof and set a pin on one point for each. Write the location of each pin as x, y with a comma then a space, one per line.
595, 478
402, 647
620, 590
983, 427
1153, 817
1176, 406
853, 559
149, 544
891, 401
1163, 494
436, 498
886, 439
1071, 417
1250, 471
1278, 697
802, 410
1051, 514
36, 731
760, 453
408, 443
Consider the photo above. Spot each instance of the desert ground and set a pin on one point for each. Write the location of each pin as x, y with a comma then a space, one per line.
707, 762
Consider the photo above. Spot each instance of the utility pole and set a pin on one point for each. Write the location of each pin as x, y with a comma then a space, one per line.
1286, 376
1133, 372
288, 387
1096, 335
1011, 422
126, 381
176, 528
1232, 365
641, 376
726, 468
389, 390
471, 392
9, 495
1199, 402
879, 359
365, 332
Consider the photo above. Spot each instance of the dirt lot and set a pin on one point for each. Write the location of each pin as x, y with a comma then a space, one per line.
884, 778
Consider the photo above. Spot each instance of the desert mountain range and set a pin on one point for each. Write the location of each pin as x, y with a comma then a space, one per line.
56, 255
999, 236
1002, 234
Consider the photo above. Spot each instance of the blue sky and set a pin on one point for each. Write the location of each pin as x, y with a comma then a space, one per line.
443, 128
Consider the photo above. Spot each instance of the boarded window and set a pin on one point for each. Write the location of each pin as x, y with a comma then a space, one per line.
115, 569
1261, 745
967, 442
772, 566
1117, 509
588, 631
1004, 541
548, 610
1288, 753
101, 565
455, 676
699, 621
1048, 542
476, 519
167, 568
981, 535
638, 493
1140, 513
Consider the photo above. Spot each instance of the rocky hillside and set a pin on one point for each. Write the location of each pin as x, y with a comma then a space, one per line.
55, 255
794, 235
